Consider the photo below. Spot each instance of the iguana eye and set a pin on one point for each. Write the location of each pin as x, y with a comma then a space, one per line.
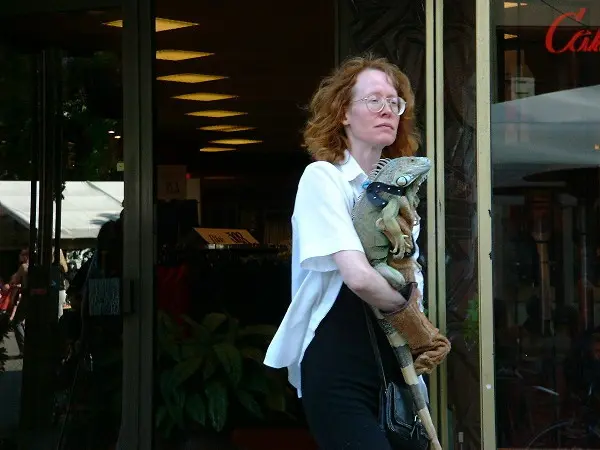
402, 181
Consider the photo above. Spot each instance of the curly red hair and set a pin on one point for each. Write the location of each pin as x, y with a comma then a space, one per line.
324, 134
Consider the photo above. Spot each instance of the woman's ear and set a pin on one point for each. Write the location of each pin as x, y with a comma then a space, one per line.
346, 121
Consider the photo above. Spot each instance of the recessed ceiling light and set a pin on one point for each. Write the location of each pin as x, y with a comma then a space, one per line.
216, 149
161, 24
513, 4
204, 96
215, 113
235, 141
226, 128
190, 78
179, 55
509, 36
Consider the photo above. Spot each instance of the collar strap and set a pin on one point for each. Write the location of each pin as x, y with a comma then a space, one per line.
375, 188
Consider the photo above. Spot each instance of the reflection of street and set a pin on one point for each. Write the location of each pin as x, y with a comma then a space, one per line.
10, 389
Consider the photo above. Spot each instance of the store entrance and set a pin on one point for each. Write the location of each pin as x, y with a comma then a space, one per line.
61, 208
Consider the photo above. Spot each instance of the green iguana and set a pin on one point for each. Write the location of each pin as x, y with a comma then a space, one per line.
391, 191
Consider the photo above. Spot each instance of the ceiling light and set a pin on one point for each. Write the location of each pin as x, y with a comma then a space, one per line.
235, 141
190, 78
215, 113
111, 132
204, 97
117, 137
216, 149
161, 24
513, 4
509, 36
226, 128
179, 55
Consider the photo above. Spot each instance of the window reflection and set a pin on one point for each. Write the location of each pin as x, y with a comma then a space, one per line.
545, 153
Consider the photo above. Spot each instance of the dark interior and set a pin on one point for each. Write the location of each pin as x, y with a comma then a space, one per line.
273, 59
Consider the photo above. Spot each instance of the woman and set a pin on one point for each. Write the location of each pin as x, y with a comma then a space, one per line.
364, 110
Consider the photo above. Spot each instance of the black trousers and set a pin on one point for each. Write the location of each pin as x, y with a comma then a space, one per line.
341, 381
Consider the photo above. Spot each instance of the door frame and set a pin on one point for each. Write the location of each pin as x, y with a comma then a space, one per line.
136, 431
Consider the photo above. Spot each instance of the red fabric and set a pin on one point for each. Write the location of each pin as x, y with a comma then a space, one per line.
173, 290
5, 300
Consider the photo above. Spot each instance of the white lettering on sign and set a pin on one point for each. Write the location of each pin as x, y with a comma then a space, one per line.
226, 236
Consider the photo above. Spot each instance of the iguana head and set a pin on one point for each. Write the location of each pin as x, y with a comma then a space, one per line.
404, 171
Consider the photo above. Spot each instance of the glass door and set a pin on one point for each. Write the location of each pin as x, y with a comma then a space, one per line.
61, 238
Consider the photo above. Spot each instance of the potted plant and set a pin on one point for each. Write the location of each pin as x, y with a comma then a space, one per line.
211, 375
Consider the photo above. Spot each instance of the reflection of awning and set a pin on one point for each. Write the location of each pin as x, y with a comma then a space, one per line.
85, 206
545, 132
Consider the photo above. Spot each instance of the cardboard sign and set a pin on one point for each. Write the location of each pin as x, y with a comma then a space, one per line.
171, 182
226, 236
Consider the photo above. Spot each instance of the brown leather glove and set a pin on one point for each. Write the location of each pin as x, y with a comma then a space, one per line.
424, 340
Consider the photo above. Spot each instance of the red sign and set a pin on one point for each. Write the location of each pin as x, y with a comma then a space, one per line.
581, 41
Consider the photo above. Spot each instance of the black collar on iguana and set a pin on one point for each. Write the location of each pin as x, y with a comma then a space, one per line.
375, 187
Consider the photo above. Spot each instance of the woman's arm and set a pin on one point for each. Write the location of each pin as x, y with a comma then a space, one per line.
327, 240
365, 282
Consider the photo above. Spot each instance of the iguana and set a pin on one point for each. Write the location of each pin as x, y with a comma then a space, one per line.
384, 215
391, 191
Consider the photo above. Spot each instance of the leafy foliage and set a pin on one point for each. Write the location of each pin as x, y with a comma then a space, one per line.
211, 370
91, 85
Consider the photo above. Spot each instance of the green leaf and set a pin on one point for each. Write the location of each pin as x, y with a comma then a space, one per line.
210, 366
213, 321
267, 331
249, 402
218, 402
185, 369
196, 409
231, 360
253, 353
234, 325
173, 397
256, 381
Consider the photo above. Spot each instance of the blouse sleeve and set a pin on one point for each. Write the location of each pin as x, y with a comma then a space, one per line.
321, 222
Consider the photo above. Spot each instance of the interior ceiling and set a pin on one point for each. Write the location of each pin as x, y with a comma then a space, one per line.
272, 57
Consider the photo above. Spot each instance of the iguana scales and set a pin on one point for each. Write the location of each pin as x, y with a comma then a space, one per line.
391, 192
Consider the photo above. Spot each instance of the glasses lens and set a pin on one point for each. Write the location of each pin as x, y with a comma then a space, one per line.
398, 105
374, 103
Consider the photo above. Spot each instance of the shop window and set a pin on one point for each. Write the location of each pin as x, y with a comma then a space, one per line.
546, 185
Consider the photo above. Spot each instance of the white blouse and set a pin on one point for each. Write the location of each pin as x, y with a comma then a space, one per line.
321, 226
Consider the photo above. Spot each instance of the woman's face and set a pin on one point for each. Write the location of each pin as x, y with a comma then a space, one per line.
364, 126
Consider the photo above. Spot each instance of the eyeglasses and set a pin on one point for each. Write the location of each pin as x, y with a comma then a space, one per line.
376, 103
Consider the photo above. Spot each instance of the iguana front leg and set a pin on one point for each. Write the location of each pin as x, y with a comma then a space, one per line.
400, 245
390, 224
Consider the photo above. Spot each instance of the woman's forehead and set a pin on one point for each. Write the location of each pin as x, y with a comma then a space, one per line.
374, 81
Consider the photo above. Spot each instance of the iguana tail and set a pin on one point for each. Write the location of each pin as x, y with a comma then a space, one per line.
405, 359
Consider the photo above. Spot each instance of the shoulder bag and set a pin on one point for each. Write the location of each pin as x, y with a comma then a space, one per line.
397, 415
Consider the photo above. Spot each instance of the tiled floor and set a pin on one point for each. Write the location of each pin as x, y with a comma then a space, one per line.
10, 390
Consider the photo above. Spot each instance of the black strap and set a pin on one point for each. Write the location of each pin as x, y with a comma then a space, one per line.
376, 187
373, 340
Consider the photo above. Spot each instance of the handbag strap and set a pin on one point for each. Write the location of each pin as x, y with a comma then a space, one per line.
373, 340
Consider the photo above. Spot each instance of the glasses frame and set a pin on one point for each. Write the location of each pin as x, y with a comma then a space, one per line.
386, 100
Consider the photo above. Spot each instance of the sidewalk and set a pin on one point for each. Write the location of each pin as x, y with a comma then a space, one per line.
10, 390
